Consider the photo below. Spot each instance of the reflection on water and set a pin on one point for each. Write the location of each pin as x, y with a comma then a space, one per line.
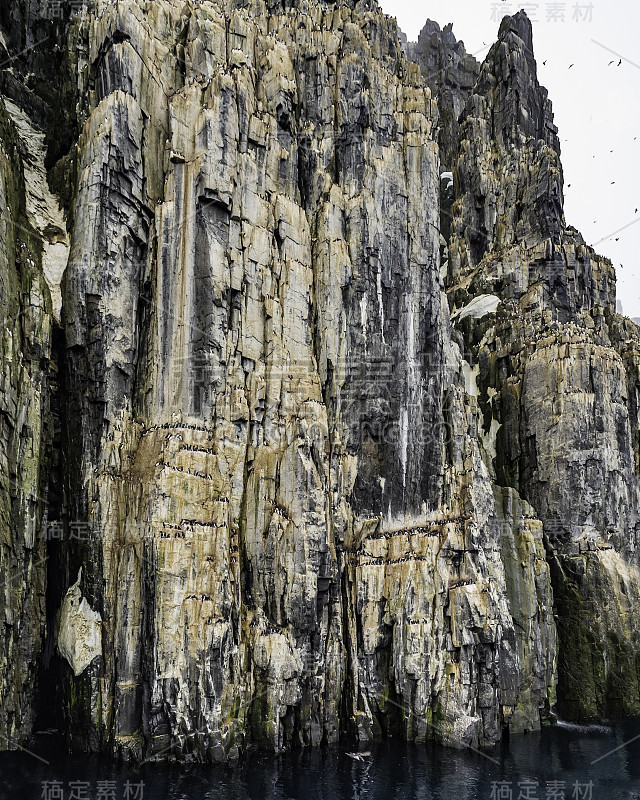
563, 763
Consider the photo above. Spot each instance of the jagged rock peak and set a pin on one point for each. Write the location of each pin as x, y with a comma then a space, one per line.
440, 52
510, 73
451, 73
520, 24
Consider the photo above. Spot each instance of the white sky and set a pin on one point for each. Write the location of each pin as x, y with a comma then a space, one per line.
596, 106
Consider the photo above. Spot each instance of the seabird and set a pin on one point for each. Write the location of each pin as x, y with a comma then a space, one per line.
359, 756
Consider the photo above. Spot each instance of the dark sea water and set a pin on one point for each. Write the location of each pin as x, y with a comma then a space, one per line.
561, 763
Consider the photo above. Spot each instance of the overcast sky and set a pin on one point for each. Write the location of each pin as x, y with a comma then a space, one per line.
596, 107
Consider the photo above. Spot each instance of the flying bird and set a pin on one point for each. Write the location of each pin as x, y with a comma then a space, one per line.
619, 63
611, 62
571, 65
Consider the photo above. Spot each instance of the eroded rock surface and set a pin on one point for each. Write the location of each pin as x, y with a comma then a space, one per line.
79, 634
557, 371
317, 341
25, 335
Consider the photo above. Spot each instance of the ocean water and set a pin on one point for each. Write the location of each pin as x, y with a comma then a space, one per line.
567, 762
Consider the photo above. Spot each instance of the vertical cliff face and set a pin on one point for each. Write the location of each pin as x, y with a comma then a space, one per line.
298, 497
294, 534
24, 357
556, 370
257, 361
33, 254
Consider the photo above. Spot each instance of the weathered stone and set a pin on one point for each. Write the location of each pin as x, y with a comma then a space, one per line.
79, 635
312, 506
26, 328
477, 308
557, 371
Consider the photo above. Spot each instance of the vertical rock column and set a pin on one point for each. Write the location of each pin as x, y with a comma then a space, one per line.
25, 307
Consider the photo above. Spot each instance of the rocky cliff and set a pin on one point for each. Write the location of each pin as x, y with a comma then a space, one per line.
555, 367
317, 419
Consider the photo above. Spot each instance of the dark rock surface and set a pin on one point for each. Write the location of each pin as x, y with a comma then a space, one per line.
451, 73
557, 372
